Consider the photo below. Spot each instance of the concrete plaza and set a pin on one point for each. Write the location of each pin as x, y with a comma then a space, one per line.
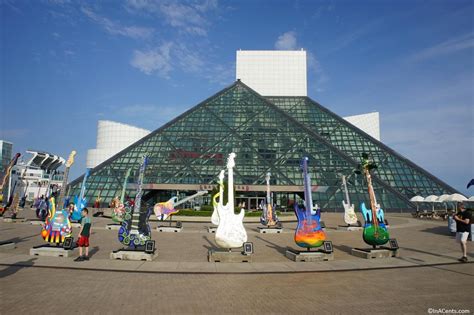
181, 280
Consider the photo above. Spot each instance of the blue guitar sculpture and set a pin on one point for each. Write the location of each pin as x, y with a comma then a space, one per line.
308, 233
135, 230
79, 201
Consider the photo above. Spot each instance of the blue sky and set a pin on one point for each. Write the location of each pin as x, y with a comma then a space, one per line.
66, 64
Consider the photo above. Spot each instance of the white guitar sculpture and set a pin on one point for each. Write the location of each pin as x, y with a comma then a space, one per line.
220, 194
349, 214
231, 232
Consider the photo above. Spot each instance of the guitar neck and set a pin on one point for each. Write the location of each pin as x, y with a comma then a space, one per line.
269, 196
373, 202
62, 193
230, 189
124, 186
138, 197
345, 190
83, 187
189, 198
308, 198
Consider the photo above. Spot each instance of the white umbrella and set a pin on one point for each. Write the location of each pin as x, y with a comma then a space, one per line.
416, 200
443, 198
456, 198
432, 199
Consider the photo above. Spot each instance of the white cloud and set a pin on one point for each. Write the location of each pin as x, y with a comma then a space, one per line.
286, 41
157, 60
115, 28
187, 17
459, 43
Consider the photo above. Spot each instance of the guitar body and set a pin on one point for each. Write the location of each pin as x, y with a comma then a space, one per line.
165, 209
79, 204
57, 225
119, 212
269, 217
350, 216
374, 234
219, 195
125, 235
230, 232
309, 233
215, 215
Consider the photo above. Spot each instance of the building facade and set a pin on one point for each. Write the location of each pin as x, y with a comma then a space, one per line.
112, 137
268, 134
38, 176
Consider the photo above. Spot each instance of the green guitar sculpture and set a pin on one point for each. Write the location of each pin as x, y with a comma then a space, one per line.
375, 231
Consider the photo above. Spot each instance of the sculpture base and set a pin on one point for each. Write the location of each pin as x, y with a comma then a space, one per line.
349, 228
225, 255
14, 220
113, 226
169, 229
264, 230
36, 222
133, 254
7, 245
308, 256
374, 253
211, 229
50, 250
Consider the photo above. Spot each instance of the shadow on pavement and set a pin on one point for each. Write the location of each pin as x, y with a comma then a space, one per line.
212, 246
19, 239
343, 248
439, 230
425, 252
281, 250
93, 250
10, 270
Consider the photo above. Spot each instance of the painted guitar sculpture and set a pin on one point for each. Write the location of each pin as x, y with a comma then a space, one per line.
349, 214
230, 232
215, 203
163, 210
119, 209
5, 180
375, 232
57, 225
135, 230
80, 202
269, 217
308, 233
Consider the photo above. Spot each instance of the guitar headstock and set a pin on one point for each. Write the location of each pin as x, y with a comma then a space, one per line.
16, 157
221, 176
267, 177
304, 164
231, 160
70, 159
366, 164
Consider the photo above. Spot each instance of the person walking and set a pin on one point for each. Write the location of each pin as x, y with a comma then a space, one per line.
463, 227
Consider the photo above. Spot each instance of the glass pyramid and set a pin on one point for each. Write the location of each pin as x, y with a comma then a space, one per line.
267, 134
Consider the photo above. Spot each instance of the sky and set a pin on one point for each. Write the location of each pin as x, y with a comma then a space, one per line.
66, 64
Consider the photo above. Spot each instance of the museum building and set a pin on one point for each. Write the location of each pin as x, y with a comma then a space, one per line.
268, 120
